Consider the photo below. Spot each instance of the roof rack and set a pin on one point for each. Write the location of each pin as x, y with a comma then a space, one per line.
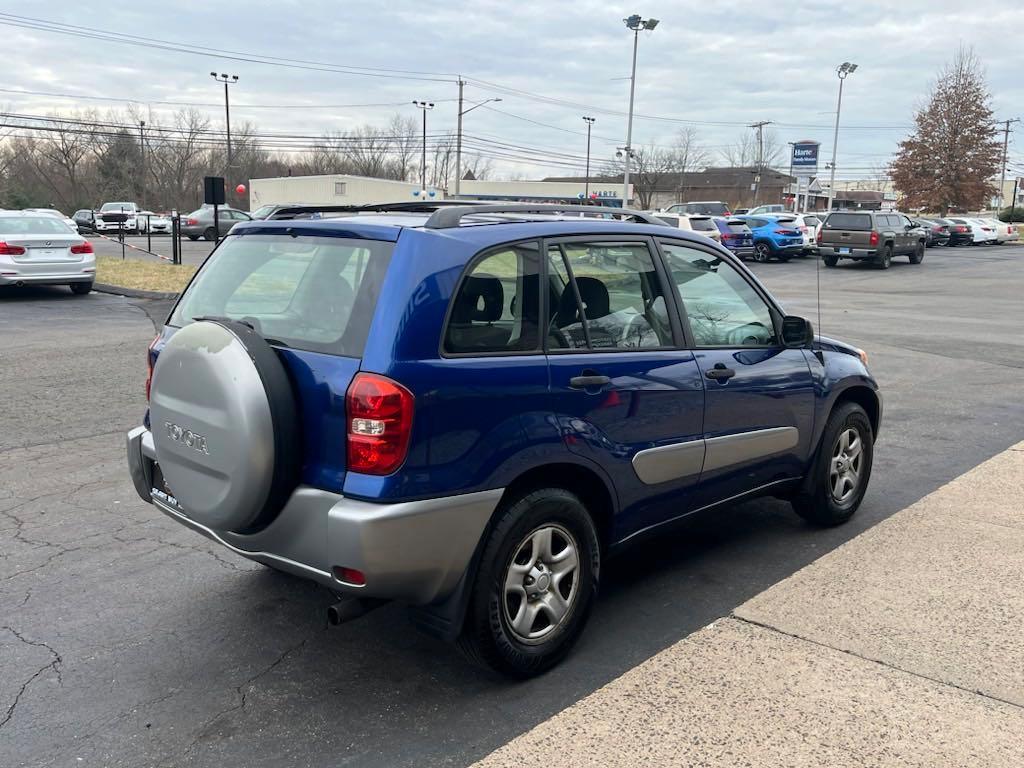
450, 216
412, 206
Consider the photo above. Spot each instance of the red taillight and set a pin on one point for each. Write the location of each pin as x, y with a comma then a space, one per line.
82, 248
192, 222
960, 228
819, 236
1009, 230
349, 576
873, 239
149, 365
379, 424
10, 250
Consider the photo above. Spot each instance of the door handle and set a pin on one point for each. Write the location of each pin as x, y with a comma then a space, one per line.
720, 373
588, 381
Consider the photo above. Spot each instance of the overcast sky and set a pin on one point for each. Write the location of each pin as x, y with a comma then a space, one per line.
720, 65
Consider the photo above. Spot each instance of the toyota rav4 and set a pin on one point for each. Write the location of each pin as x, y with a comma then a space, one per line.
469, 408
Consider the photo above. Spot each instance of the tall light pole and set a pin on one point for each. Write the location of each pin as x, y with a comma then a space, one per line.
634, 23
796, 194
842, 71
227, 80
458, 136
424, 105
586, 184
142, 163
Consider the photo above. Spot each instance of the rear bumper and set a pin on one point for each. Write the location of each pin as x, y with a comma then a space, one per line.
62, 278
854, 253
787, 250
413, 551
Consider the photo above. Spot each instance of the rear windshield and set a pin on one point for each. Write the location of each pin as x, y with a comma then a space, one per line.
311, 293
859, 222
738, 226
709, 209
33, 225
812, 221
703, 225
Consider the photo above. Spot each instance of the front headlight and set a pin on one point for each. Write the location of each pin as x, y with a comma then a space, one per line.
863, 356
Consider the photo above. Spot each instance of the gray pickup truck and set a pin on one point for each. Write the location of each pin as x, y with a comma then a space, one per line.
870, 236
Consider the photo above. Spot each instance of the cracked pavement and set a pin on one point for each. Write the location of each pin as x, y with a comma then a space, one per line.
127, 640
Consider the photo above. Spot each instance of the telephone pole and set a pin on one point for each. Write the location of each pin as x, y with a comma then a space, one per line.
424, 105
586, 184
227, 80
759, 127
1002, 168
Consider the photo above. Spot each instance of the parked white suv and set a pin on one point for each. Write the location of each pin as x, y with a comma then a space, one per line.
117, 217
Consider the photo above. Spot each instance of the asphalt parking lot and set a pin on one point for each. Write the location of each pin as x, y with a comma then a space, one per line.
126, 640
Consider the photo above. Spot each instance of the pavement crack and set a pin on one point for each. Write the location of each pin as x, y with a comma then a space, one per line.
880, 662
55, 664
242, 691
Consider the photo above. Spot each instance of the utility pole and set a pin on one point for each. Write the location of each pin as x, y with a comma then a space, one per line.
759, 127
842, 71
635, 23
1002, 169
227, 80
142, 163
424, 105
586, 184
458, 138
796, 194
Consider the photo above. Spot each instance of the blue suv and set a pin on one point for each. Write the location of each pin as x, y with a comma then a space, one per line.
774, 239
469, 408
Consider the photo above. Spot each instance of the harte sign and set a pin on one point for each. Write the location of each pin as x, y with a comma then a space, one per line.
805, 155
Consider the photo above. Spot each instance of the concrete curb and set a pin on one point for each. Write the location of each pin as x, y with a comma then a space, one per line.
133, 293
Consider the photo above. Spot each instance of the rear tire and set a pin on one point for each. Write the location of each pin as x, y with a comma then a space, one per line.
841, 469
81, 289
830, 261
545, 539
762, 252
918, 255
884, 261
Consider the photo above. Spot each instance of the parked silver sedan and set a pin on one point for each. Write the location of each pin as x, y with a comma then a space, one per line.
37, 249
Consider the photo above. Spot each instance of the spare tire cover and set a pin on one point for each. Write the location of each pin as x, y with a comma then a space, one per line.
223, 418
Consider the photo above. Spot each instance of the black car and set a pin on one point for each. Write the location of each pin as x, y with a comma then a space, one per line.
936, 231
960, 232
85, 220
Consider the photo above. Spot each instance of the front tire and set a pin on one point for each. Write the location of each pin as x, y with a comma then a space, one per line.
841, 470
210, 234
536, 584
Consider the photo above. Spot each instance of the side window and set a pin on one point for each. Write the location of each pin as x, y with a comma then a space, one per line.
497, 306
723, 309
606, 295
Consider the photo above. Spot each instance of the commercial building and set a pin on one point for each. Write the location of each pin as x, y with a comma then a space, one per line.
333, 189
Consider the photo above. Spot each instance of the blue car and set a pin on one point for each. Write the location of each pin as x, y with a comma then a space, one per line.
736, 236
774, 239
470, 408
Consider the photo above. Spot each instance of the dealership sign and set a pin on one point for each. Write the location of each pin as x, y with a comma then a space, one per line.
805, 158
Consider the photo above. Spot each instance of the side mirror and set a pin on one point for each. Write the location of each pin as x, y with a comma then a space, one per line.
797, 332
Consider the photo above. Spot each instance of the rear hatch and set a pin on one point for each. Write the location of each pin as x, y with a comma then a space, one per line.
847, 230
738, 234
312, 297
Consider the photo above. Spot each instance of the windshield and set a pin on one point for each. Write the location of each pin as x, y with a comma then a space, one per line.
709, 209
312, 293
115, 207
33, 225
263, 211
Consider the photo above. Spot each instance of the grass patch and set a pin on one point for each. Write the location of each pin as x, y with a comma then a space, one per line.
143, 275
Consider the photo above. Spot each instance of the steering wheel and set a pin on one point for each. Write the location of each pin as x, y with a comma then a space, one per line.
751, 334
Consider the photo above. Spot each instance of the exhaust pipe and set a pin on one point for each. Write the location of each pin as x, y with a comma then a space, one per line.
351, 608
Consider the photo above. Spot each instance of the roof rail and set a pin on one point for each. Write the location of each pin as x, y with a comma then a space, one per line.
412, 206
449, 217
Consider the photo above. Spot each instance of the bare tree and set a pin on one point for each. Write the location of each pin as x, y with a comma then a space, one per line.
953, 153
743, 152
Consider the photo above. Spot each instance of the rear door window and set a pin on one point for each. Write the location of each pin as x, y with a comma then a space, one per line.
497, 306
606, 295
311, 293
857, 222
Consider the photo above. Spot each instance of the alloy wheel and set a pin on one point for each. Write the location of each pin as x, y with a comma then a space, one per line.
541, 583
846, 466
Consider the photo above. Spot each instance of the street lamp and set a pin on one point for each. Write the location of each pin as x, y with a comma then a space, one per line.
842, 72
634, 23
586, 184
458, 137
227, 80
424, 105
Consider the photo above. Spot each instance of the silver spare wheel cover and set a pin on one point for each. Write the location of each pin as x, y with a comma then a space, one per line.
213, 426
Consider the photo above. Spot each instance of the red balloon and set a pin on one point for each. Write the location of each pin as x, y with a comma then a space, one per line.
240, 189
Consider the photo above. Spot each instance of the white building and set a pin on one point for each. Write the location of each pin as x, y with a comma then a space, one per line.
333, 189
